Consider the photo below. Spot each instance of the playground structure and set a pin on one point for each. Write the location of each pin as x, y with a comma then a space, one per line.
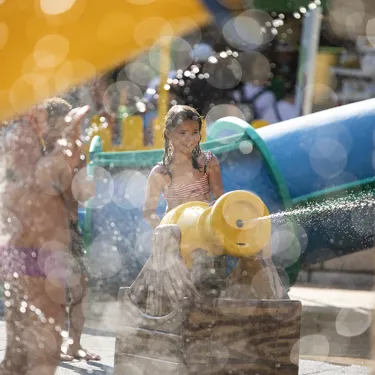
132, 130
315, 177
176, 321
230, 227
310, 172
302, 165
182, 315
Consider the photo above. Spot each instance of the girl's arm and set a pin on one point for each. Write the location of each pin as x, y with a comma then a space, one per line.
154, 189
214, 178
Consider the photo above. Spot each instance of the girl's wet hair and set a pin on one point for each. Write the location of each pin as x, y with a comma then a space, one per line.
174, 118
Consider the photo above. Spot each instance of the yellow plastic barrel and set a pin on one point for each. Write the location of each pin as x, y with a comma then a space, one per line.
237, 224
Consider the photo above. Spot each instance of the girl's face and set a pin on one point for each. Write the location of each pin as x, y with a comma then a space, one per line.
185, 137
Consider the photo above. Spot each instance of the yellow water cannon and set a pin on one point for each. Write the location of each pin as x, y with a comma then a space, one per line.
238, 224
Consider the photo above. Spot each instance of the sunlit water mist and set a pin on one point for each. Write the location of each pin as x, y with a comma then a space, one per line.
310, 210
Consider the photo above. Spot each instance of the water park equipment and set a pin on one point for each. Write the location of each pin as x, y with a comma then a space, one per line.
132, 130
168, 326
35, 80
236, 225
314, 174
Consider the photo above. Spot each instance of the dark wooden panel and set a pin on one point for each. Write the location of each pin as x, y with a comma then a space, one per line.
132, 316
148, 343
249, 336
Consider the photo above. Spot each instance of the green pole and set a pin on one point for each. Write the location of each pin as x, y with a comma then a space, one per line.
95, 148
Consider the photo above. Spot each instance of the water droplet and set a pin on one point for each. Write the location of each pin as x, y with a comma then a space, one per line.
351, 323
52, 7
64, 334
246, 147
50, 51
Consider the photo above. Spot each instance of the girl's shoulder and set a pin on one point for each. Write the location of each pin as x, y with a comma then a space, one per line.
208, 156
159, 168
160, 171
159, 175
205, 157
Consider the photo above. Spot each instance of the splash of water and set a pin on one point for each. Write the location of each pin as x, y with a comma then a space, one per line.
363, 200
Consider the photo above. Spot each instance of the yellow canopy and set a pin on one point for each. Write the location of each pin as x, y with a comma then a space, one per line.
47, 46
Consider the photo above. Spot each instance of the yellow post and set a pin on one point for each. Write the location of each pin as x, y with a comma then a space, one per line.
132, 133
204, 131
324, 82
165, 64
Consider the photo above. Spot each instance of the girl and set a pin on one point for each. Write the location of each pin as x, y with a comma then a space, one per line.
186, 174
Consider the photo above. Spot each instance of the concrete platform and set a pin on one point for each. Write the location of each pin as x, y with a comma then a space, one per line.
334, 339
104, 346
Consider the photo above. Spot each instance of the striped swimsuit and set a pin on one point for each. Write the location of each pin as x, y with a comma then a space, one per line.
190, 191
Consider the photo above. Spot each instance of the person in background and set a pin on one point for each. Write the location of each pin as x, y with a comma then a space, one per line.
35, 238
181, 81
77, 281
284, 109
254, 96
